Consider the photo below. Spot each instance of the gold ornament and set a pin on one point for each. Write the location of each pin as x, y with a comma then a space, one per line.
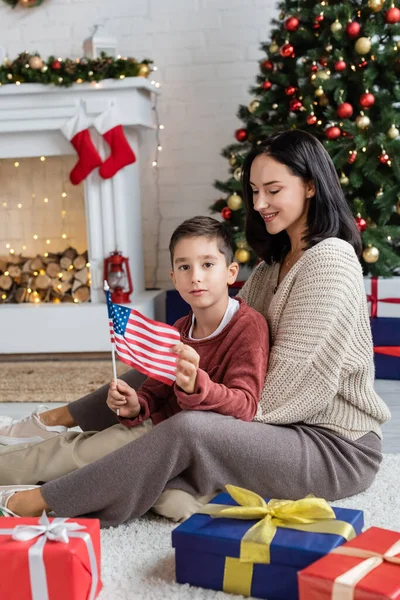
35, 62
329, 47
324, 101
144, 70
371, 224
232, 160
254, 104
319, 92
336, 26
362, 121
344, 180
235, 201
44, 69
379, 193
371, 254
393, 132
237, 174
362, 45
398, 207
242, 255
376, 5
273, 48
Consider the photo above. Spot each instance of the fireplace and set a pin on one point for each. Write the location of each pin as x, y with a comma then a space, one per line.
97, 217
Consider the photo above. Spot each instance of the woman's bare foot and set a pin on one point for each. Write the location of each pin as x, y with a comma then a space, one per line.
57, 416
29, 503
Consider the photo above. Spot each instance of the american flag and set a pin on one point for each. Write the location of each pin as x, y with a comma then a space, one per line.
142, 343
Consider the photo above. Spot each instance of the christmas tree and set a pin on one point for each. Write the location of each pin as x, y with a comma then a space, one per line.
332, 69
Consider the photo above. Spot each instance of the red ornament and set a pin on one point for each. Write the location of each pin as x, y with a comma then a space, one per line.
118, 275
340, 65
319, 18
344, 110
316, 26
290, 90
267, 65
352, 156
367, 100
363, 64
295, 105
287, 51
241, 135
323, 61
314, 68
226, 213
311, 119
353, 29
56, 65
267, 85
392, 15
333, 132
361, 224
291, 24
384, 158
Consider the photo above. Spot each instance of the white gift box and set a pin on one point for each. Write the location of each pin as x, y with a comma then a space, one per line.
383, 296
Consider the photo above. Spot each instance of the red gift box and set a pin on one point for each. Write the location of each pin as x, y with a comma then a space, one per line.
49, 559
366, 568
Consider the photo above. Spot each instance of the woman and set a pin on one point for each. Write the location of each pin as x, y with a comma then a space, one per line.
317, 429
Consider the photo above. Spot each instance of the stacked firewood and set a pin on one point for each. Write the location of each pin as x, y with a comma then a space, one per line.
52, 277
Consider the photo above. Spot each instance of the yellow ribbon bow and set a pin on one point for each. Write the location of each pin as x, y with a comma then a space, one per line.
308, 514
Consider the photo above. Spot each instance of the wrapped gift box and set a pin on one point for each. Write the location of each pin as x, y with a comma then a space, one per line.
386, 338
383, 295
34, 566
207, 549
364, 577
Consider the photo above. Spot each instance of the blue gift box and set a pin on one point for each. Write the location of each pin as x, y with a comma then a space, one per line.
386, 334
203, 543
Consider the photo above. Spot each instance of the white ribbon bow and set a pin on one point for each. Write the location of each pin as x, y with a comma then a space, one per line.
59, 530
344, 585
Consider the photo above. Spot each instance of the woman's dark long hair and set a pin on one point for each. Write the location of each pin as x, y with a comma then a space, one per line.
329, 214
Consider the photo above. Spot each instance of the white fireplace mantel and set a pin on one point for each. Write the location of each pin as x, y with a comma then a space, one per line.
31, 117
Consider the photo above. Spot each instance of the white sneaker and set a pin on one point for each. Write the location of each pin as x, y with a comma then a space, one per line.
6, 491
29, 430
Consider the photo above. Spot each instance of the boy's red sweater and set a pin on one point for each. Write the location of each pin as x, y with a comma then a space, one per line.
231, 376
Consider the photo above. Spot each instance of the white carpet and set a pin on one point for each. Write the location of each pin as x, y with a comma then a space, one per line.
138, 560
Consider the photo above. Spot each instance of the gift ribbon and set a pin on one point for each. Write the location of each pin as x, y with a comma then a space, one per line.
308, 514
344, 585
373, 298
388, 350
59, 530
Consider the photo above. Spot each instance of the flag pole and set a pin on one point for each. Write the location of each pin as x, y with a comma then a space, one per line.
106, 288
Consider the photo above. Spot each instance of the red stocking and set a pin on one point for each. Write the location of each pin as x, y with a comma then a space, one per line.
121, 153
77, 132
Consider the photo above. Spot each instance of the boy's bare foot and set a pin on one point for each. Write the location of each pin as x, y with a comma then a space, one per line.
58, 417
29, 503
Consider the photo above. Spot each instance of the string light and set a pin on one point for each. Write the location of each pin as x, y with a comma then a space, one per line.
45, 200
63, 195
35, 237
42, 158
16, 164
19, 205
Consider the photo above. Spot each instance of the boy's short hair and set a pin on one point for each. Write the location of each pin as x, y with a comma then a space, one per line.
204, 227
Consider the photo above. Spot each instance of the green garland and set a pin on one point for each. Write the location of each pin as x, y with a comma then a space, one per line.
24, 3
30, 68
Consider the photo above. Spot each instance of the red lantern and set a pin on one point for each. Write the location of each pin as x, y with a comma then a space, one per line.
311, 119
118, 276
361, 223
367, 100
340, 65
352, 156
287, 51
241, 135
226, 213
392, 15
56, 65
344, 110
290, 90
295, 105
267, 65
353, 29
333, 132
291, 24
267, 85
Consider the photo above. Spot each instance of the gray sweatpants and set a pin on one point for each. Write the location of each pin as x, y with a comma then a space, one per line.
201, 452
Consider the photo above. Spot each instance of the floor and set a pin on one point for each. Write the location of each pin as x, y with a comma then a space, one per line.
388, 390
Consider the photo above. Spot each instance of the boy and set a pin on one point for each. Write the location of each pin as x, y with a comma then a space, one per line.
221, 366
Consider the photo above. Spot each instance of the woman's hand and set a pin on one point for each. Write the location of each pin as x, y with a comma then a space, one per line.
187, 366
123, 398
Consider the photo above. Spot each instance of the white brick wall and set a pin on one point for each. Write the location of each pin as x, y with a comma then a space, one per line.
206, 52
